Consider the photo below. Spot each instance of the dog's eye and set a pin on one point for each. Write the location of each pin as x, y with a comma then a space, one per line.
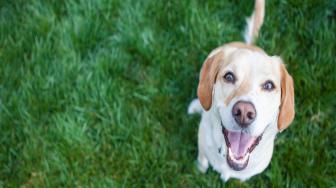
229, 77
268, 86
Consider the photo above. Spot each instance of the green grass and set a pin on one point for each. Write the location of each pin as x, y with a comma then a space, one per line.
94, 93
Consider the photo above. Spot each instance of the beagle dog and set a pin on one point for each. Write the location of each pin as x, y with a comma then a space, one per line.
245, 97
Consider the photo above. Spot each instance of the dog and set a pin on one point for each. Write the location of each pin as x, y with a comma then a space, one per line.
245, 97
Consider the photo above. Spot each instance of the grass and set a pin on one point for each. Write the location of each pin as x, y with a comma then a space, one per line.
94, 93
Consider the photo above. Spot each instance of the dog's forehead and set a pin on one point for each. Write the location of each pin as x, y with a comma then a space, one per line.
254, 63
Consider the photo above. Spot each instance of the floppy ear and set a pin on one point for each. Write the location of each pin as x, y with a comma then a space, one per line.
287, 111
207, 79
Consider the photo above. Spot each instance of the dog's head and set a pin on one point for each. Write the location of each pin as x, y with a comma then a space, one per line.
249, 91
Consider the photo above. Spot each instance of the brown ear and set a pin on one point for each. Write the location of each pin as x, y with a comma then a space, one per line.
287, 111
207, 79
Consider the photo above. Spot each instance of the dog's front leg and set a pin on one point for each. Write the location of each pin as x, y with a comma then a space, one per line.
202, 161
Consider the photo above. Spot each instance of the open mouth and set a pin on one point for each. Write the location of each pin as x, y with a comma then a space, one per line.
240, 145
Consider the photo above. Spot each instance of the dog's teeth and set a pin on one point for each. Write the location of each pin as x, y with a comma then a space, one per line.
239, 161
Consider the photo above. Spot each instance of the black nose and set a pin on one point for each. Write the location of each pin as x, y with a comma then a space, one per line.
244, 113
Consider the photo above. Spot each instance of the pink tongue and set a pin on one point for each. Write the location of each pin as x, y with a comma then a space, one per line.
240, 143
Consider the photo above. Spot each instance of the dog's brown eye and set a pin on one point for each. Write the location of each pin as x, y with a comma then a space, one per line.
268, 85
229, 77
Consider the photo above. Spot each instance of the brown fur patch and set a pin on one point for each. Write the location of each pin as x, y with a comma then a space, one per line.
208, 75
287, 109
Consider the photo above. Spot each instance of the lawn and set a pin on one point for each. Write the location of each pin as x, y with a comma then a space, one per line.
95, 93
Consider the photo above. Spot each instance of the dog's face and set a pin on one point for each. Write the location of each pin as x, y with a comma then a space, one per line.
250, 91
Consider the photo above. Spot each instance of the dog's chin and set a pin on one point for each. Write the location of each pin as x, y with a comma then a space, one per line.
237, 164
239, 148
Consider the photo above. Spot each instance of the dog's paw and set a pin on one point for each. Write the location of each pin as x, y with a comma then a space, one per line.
224, 178
202, 164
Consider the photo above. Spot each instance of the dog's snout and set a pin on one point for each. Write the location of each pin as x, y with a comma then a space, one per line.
244, 113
